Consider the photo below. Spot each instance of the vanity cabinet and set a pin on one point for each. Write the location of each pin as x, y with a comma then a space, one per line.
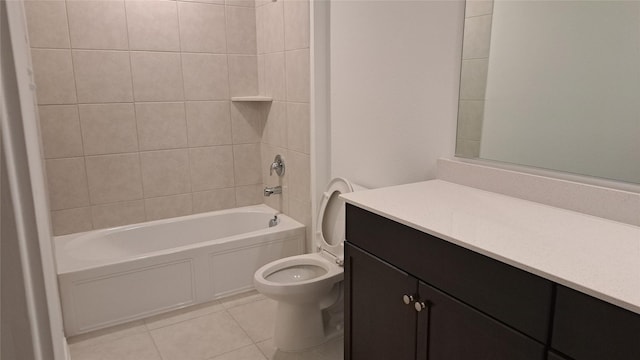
393, 315
470, 306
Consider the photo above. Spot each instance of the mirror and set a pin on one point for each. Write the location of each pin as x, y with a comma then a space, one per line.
553, 85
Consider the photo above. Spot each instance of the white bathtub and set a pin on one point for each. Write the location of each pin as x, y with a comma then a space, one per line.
116, 275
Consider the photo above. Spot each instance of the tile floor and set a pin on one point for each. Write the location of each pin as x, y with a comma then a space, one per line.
235, 328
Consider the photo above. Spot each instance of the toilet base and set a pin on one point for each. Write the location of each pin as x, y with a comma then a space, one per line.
303, 326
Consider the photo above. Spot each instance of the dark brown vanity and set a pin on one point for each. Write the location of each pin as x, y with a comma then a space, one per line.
411, 295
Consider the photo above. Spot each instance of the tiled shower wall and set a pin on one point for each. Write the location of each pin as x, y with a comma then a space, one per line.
136, 118
283, 69
473, 82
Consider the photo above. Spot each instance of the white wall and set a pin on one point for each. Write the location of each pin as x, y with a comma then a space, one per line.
394, 69
563, 87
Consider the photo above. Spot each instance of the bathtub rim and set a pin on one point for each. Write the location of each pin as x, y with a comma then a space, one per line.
286, 224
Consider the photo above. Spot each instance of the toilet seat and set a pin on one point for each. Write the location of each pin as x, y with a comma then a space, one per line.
331, 220
321, 283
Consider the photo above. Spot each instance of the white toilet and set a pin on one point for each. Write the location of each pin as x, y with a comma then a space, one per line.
308, 287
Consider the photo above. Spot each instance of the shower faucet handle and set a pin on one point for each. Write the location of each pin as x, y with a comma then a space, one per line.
277, 165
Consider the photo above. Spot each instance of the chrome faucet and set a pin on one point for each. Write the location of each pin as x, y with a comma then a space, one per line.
277, 165
268, 191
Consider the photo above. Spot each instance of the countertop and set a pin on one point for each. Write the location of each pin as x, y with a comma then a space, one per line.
596, 256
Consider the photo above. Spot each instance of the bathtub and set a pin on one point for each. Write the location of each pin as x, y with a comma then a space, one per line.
112, 276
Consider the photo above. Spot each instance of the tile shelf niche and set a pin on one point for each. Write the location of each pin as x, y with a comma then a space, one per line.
252, 98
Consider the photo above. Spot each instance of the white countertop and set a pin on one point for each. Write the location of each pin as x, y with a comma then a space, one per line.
593, 255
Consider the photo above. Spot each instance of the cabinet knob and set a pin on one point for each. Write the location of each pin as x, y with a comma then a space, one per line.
408, 299
419, 305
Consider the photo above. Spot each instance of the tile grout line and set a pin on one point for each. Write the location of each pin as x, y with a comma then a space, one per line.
135, 115
77, 106
186, 112
240, 326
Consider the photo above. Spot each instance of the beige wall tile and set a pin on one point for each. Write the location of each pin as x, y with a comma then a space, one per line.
275, 128
108, 128
247, 122
60, 131
298, 85
273, 27
246, 161
467, 148
243, 75
161, 125
208, 123
247, 3
213, 200
118, 214
157, 76
114, 178
249, 195
47, 24
211, 167
296, 24
477, 37
206, 76
165, 172
53, 72
274, 76
217, 2
473, 81
260, 29
268, 153
470, 114
298, 127
478, 7
168, 206
153, 25
71, 221
241, 30
97, 24
299, 168
262, 89
103, 76
202, 27
67, 183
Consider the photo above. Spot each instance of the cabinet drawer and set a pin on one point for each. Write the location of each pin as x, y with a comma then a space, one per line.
588, 328
513, 296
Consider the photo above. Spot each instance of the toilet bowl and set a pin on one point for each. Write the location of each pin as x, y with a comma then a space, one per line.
308, 287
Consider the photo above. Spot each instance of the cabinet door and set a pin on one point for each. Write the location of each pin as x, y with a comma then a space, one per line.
587, 328
451, 330
378, 325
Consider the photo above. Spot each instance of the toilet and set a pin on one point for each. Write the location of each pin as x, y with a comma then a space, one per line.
309, 287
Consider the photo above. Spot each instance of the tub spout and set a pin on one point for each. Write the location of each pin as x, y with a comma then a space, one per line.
268, 191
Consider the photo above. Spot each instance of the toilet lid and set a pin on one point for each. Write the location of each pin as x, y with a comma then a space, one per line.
331, 218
